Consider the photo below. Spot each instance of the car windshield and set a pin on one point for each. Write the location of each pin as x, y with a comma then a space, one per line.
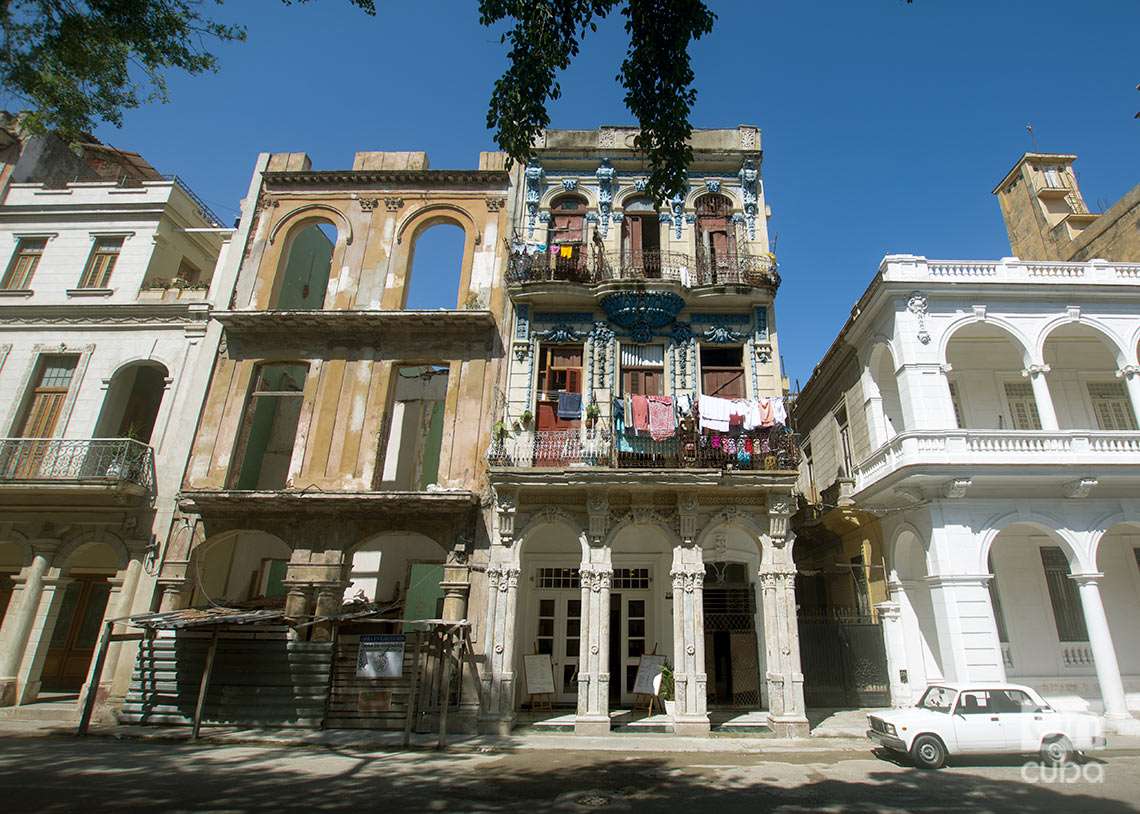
939, 699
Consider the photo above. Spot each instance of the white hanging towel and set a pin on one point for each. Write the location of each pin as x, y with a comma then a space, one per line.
780, 413
715, 413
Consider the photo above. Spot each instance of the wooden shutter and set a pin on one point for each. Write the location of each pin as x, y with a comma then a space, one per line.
1068, 613
1111, 406
1022, 406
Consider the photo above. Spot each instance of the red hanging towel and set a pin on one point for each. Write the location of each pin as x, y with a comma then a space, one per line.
640, 413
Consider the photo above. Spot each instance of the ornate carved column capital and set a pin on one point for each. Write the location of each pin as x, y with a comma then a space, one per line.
1128, 372
1033, 371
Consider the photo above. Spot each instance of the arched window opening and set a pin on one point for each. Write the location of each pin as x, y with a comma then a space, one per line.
1087, 394
243, 566
436, 268
566, 237
398, 568
132, 403
716, 240
304, 279
885, 404
640, 240
986, 363
415, 428
269, 426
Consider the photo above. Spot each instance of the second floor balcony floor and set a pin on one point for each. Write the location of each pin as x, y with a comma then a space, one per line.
84, 470
592, 266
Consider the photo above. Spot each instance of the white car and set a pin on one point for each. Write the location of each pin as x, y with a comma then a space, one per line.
984, 718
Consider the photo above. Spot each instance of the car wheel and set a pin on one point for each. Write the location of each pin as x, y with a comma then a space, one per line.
1057, 751
927, 752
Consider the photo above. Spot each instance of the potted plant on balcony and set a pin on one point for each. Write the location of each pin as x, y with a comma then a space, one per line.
120, 466
593, 412
499, 431
526, 418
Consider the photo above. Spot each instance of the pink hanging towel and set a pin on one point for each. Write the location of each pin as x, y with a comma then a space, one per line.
640, 413
662, 420
767, 413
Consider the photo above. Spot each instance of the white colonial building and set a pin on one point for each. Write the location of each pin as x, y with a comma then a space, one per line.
105, 356
983, 416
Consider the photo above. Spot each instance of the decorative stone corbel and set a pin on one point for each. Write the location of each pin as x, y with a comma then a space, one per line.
1080, 488
1127, 372
1033, 371
957, 488
598, 508
506, 505
918, 305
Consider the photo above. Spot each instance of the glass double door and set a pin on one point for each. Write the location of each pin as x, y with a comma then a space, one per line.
558, 634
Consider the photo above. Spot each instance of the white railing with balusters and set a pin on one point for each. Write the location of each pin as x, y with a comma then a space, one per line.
997, 447
913, 268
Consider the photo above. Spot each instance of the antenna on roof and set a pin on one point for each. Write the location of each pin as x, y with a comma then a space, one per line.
1032, 135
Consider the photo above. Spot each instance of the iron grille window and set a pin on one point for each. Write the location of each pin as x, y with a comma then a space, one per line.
631, 579
559, 578
1067, 612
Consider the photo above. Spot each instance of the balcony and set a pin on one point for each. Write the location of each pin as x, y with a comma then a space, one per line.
1023, 450
598, 448
594, 267
50, 467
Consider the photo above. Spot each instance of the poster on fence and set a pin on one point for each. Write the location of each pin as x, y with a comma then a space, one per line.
380, 656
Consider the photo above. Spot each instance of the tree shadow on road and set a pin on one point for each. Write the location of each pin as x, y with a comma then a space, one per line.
98, 774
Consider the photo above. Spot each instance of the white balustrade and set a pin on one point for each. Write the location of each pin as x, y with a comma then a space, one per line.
909, 268
979, 448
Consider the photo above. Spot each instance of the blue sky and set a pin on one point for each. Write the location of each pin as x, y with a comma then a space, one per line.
885, 125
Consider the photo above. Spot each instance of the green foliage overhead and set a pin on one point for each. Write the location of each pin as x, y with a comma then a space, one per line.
544, 36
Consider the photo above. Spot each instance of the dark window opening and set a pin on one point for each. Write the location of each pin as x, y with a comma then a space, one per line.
303, 278
722, 372
269, 427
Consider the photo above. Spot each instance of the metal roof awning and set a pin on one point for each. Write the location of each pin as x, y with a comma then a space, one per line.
204, 617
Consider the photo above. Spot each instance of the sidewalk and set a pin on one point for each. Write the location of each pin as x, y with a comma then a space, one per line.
364, 740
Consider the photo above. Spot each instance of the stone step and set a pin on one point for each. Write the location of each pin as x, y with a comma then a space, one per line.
62, 712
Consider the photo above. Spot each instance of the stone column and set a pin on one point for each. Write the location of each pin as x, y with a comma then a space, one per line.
119, 604
1100, 642
298, 605
690, 678
18, 625
594, 655
1041, 394
890, 617
498, 637
39, 638
784, 675
327, 601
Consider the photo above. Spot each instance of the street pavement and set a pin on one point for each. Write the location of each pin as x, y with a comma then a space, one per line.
52, 773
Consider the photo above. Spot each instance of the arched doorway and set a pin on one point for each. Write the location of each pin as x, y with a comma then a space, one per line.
641, 608
716, 240
640, 240
86, 589
11, 563
132, 404
566, 238
884, 404
1118, 558
401, 570
733, 621
550, 607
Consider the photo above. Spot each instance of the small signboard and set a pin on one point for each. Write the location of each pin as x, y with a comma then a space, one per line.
539, 674
648, 681
380, 656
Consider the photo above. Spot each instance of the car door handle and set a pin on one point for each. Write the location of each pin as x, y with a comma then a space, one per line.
1038, 718
994, 718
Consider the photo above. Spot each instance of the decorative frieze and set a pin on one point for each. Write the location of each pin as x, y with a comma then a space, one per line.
393, 204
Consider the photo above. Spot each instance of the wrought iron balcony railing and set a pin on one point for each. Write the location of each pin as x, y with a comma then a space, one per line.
78, 460
773, 450
589, 266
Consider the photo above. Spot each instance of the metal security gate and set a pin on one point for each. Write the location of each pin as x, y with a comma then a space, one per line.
844, 663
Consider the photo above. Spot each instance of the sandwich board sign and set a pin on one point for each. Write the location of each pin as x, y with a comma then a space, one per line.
539, 674
648, 680
380, 656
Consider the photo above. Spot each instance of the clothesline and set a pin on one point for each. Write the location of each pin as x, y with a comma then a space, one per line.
659, 416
